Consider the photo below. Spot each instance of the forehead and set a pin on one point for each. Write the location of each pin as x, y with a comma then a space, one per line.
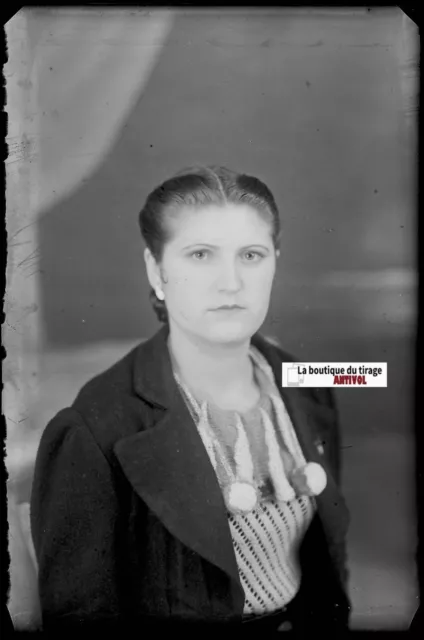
216, 224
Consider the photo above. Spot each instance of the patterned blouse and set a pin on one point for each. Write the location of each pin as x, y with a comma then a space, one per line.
266, 540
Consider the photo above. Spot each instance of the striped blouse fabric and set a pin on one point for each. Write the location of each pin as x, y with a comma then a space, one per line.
266, 541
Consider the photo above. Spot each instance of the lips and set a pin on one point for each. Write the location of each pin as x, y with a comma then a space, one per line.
228, 307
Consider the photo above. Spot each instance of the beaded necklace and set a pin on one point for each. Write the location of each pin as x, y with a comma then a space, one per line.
241, 493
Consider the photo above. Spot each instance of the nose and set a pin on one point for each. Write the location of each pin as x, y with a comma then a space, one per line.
229, 279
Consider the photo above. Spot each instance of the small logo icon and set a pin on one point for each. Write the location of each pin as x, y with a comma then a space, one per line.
294, 378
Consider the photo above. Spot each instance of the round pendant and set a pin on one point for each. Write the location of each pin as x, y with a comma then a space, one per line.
310, 480
240, 497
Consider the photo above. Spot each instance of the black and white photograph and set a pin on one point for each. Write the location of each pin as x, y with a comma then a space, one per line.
198, 200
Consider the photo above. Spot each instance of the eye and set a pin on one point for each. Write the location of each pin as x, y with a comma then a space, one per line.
252, 256
200, 254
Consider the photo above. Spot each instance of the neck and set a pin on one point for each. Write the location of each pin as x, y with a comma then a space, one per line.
209, 368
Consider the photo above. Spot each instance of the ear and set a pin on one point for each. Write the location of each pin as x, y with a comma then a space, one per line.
152, 269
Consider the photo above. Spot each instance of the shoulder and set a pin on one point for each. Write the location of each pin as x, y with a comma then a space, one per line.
114, 381
62, 431
275, 349
272, 349
105, 409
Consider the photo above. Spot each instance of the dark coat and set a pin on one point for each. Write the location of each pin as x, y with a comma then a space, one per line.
127, 517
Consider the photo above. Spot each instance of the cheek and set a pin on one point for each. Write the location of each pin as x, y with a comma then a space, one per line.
182, 275
186, 289
260, 281
184, 282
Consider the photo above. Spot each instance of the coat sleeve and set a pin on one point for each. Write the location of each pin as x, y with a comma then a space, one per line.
340, 603
74, 513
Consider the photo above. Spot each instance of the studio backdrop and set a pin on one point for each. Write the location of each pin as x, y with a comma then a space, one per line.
104, 104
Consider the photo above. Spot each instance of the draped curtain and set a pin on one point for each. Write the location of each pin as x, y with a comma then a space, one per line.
72, 77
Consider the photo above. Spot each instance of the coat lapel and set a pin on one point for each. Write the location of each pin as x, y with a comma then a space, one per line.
169, 467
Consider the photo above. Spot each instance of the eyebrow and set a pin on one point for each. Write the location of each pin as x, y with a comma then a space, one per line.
213, 246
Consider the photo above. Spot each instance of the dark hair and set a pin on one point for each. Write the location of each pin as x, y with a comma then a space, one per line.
193, 187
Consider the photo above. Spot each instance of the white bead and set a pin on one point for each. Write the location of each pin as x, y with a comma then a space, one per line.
310, 479
241, 497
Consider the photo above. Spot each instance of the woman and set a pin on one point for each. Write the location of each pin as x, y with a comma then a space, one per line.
184, 485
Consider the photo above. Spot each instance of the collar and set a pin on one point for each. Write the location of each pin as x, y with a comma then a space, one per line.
153, 377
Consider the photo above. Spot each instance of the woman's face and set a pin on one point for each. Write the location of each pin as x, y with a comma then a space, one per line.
217, 257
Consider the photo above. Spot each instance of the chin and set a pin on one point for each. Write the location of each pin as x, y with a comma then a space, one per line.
231, 332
